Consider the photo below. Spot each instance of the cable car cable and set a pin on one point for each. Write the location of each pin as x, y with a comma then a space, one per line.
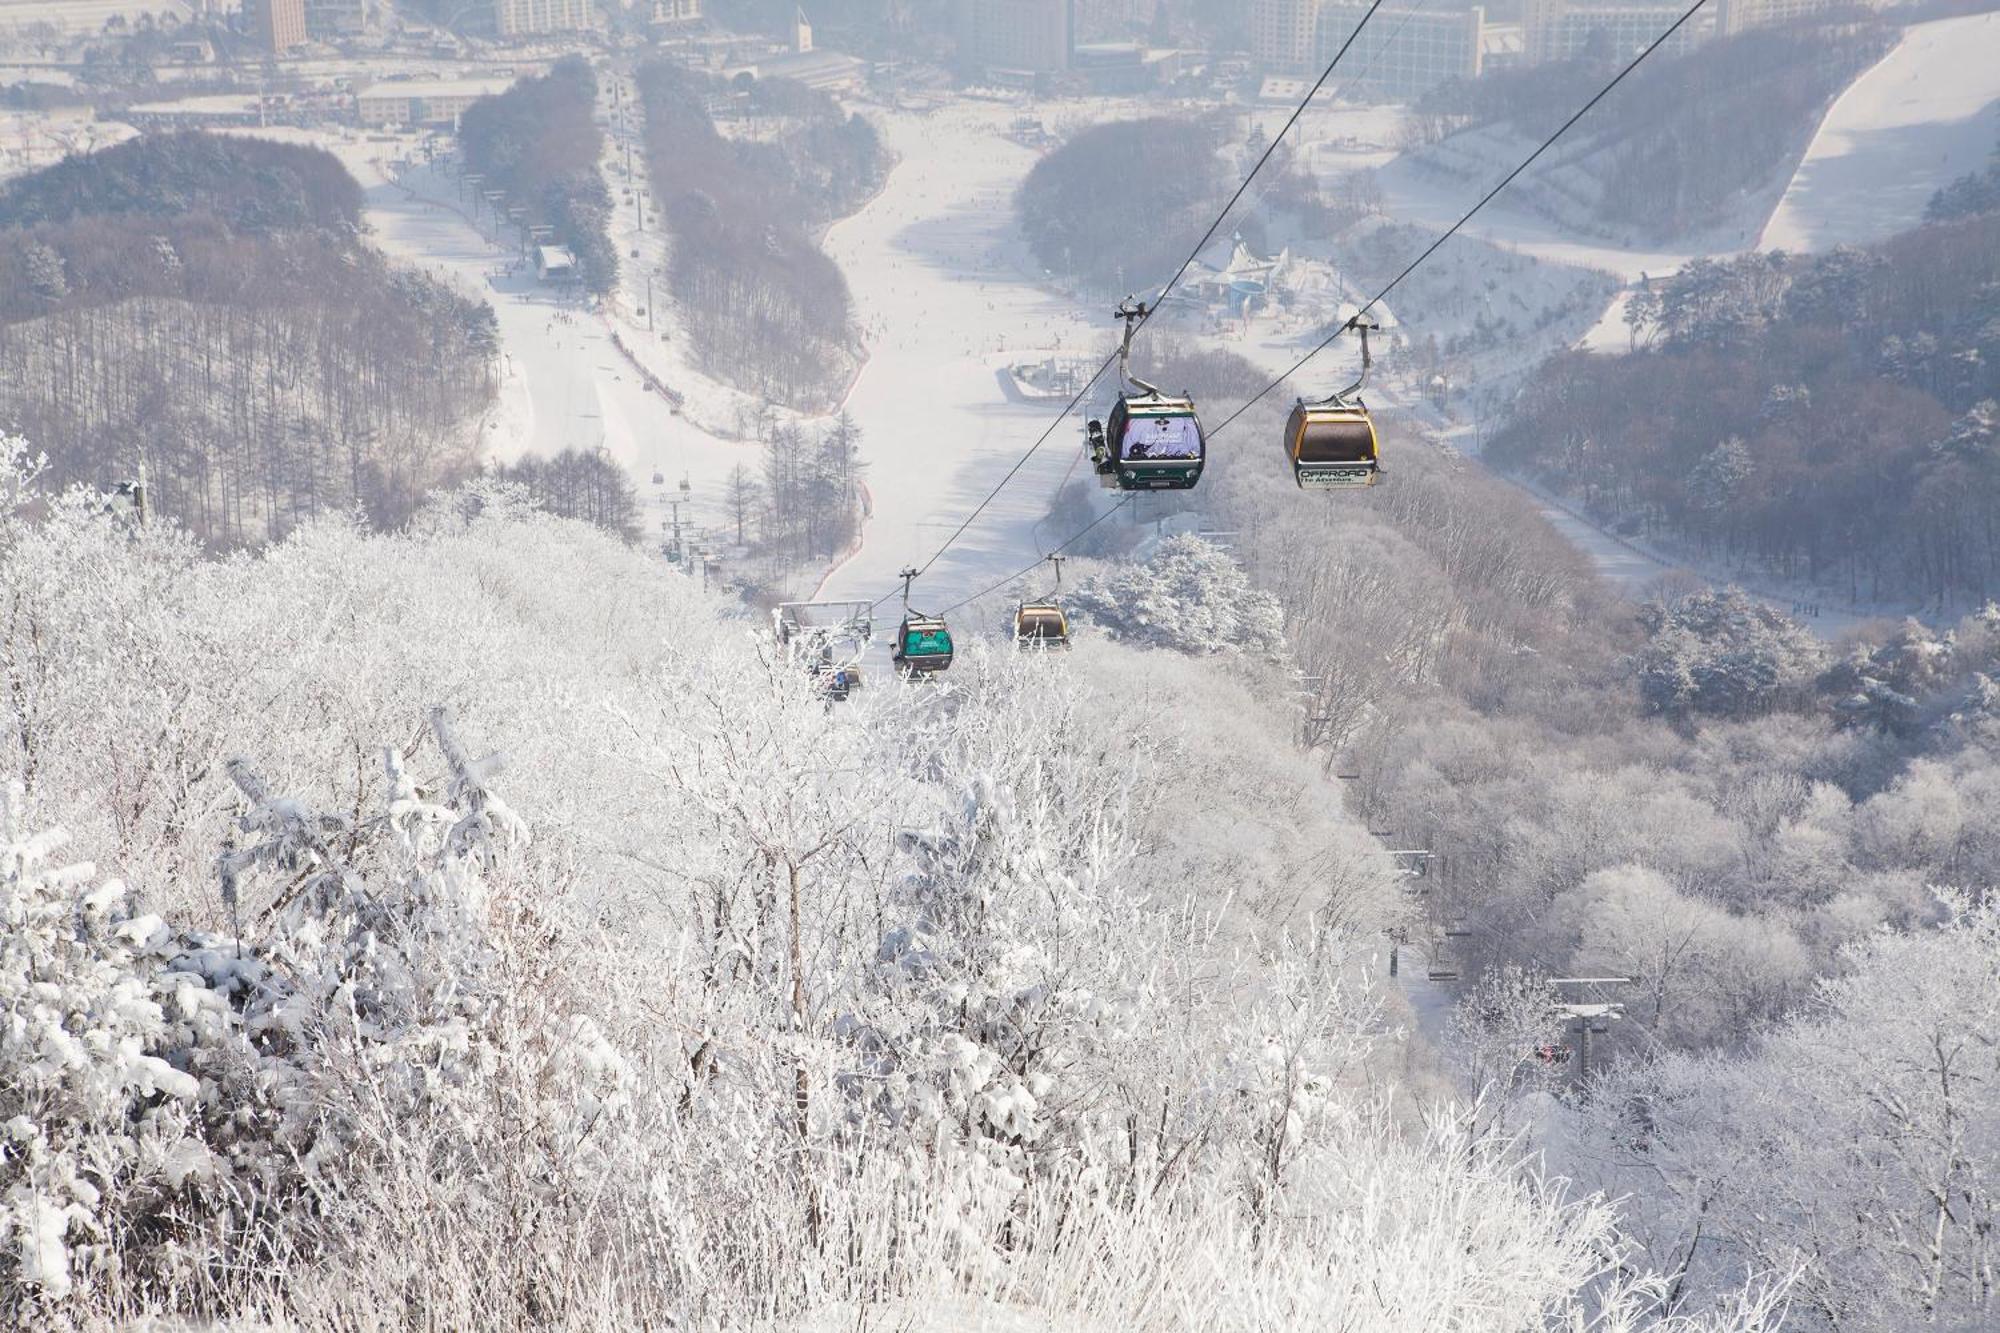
1040, 560
1410, 268
1207, 236
1329, 340
1374, 59
1269, 150
1526, 162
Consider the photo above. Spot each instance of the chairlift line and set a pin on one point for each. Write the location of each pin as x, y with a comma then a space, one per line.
1073, 539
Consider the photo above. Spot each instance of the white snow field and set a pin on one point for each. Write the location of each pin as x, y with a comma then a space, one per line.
936, 288
564, 383
1927, 113
1417, 191
31, 140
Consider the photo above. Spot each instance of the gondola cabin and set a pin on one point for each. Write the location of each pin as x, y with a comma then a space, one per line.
1040, 625
1332, 446
1151, 442
923, 645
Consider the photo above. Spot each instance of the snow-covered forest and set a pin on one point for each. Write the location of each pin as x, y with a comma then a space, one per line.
363, 974
538, 142
1067, 214
200, 309
693, 791
1828, 419
1759, 833
1695, 135
765, 307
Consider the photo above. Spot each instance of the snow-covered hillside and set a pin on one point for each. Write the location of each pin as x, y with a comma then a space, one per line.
1928, 113
921, 994
937, 284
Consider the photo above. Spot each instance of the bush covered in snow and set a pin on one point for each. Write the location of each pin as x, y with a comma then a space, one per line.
1855, 1141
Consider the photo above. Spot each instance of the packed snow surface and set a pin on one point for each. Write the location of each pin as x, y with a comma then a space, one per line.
564, 383
1927, 113
933, 267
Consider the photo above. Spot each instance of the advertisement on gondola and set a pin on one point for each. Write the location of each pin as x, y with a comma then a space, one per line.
1162, 437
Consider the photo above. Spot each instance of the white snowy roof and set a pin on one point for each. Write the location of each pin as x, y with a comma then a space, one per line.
426, 88
220, 104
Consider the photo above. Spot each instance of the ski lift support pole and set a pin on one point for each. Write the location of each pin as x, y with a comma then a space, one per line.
1586, 1013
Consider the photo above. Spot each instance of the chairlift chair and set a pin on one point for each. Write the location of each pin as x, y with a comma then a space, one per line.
1151, 441
837, 680
1332, 443
827, 639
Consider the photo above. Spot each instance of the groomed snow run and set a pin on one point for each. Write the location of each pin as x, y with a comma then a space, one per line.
936, 282
1927, 113
564, 383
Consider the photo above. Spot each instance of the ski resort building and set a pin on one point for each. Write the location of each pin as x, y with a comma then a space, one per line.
330, 20
276, 26
556, 263
1032, 35
1404, 53
86, 18
415, 102
533, 18
1734, 16
1560, 30
1284, 34
1236, 286
214, 112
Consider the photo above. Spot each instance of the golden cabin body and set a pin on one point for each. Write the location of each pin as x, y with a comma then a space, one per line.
1332, 446
1040, 625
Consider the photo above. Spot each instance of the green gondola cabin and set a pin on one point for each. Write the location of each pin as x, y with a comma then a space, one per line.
923, 645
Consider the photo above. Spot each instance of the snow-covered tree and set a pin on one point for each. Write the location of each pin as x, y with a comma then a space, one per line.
1854, 1142
1723, 653
1043, 993
1189, 595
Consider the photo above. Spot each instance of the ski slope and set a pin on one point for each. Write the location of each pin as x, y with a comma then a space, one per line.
1927, 113
932, 263
564, 383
